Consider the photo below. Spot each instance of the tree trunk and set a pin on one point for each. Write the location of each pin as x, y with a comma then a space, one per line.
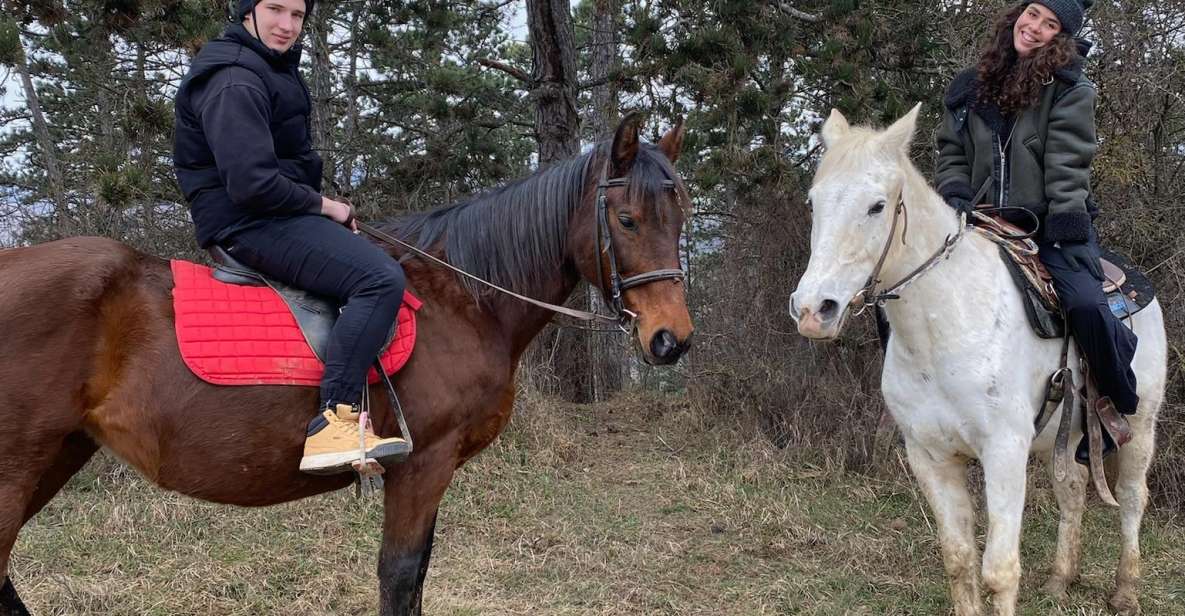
322, 91
53, 173
605, 351
557, 125
350, 147
562, 353
605, 63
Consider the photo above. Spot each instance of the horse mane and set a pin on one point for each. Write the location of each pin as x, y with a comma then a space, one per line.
516, 236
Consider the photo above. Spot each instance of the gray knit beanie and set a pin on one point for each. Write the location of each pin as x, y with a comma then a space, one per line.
1071, 13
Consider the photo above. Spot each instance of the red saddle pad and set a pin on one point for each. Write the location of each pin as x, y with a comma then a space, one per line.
238, 335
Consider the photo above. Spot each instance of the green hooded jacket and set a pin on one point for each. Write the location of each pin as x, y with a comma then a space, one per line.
1041, 163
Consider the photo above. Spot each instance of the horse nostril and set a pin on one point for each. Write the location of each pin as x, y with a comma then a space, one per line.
828, 309
664, 344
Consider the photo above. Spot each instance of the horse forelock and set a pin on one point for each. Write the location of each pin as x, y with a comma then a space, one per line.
852, 154
651, 169
516, 236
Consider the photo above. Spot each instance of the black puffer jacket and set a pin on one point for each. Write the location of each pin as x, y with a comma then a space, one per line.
243, 149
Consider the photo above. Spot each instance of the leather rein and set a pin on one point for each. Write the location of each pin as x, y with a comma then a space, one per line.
620, 316
868, 296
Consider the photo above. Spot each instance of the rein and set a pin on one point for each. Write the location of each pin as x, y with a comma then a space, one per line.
867, 296
621, 317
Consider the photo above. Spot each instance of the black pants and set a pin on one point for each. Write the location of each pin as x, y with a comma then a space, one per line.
323, 257
1107, 344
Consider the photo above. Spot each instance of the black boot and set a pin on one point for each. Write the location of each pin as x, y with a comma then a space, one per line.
1082, 454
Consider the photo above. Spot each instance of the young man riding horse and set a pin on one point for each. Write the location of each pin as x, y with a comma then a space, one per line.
1019, 128
244, 159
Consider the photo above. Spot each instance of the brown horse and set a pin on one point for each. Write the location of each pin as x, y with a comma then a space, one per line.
90, 357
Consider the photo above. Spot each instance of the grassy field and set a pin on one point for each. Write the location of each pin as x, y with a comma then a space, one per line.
635, 507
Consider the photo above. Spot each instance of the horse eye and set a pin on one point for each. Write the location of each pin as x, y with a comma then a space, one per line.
626, 222
877, 209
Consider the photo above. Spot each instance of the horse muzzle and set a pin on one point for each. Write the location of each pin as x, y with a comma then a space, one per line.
818, 320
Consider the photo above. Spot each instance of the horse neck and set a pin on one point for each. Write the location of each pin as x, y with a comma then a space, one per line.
519, 238
523, 321
960, 285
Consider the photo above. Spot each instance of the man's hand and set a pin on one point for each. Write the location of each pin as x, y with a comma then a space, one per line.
339, 212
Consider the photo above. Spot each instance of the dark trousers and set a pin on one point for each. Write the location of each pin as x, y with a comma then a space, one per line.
1106, 343
318, 255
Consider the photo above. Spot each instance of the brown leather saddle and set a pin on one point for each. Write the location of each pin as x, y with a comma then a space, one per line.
1127, 289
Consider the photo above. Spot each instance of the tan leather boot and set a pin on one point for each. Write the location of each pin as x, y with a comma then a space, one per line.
340, 442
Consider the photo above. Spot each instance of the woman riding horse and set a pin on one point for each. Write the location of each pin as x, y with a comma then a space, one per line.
1019, 127
245, 162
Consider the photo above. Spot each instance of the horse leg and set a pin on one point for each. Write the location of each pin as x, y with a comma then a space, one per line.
1131, 490
19, 476
409, 524
1071, 502
944, 482
10, 603
1004, 464
77, 448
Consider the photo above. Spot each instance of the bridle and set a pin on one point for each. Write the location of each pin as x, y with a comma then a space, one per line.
613, 293
620, 316
868, 296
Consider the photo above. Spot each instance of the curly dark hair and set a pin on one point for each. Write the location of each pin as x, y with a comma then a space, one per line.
1014, 83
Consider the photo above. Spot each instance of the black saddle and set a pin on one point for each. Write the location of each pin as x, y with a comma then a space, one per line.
315, 315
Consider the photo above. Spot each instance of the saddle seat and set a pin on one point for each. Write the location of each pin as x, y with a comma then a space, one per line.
315, 315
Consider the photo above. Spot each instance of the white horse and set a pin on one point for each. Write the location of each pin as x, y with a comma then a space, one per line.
964, 373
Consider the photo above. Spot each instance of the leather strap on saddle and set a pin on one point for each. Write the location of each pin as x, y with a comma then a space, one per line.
1101, 415
1024, 253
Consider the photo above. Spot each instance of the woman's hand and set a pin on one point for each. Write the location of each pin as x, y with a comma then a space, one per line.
1079, 254
339, 212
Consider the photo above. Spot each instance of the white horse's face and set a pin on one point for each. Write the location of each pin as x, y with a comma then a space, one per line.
853, 200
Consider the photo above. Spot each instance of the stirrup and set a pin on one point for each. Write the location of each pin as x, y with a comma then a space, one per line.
1114, 432
369, 471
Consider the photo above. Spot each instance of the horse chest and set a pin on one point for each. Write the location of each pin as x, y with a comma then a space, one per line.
948, 405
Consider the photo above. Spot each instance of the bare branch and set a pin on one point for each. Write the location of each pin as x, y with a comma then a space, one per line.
797, 14
513, 71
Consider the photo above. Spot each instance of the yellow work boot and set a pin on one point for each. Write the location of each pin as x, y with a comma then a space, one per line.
339, 441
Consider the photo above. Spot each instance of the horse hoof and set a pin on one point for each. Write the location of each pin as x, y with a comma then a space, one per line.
1125, 603
1055, 589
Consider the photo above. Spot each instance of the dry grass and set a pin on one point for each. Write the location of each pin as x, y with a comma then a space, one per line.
634, 507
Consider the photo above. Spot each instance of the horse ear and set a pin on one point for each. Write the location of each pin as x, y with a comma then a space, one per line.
625, 144
897, 137
835, 128
672, 142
